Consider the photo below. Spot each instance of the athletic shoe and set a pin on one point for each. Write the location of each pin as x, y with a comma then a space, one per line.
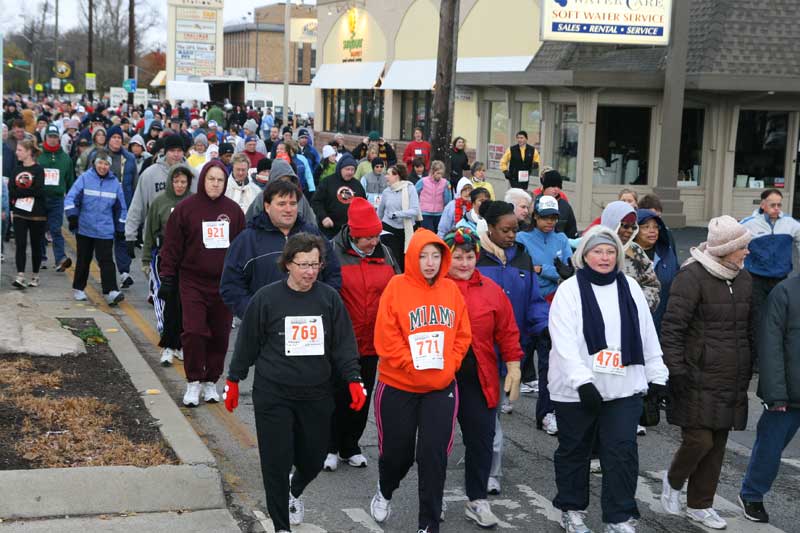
754, 511
34, 282
80, 296
297, 511
331, 463
114, 297
670, 498
166, 356
493, 487
707, 517
380, 508
641, 431
507, 408
210, 394
573, 522
480, 512
19, 281
531, 387
126, 280
356, 461
179, 354
595, 467
621, 527
549, 424
192, 396
64, 264
443, 511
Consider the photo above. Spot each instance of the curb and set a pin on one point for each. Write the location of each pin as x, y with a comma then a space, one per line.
195, 484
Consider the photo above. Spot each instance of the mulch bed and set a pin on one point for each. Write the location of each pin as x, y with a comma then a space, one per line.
75, 410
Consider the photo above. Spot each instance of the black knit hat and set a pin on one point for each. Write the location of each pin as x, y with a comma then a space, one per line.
552, 178
173, 141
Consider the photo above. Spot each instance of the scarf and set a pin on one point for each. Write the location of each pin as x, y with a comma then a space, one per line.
408, 224
462, 206
594, 329
488, 245
723, 270
51, 149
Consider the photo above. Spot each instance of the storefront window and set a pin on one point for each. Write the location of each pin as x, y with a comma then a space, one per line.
415, 112
622, 145
353, 111
565, 145
761, 149
530, 120
690, 160
498, 133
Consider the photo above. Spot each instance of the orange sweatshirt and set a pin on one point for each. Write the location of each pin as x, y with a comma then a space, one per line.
428, 319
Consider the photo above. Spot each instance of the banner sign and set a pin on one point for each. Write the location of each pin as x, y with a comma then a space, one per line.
303, 31
636, 22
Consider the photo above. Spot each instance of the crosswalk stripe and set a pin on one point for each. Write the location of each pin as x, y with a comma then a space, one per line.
542, 505
360, 516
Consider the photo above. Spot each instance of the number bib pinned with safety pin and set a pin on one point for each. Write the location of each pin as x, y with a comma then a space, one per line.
427, 350
609, 361
216, 234
304, 335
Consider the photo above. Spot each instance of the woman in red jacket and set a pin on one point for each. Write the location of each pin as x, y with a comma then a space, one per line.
421, 335
492, 320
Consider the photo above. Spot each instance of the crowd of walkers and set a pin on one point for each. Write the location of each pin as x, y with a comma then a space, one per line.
360, 278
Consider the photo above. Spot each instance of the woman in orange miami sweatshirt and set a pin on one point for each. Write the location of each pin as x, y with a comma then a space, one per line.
421, 336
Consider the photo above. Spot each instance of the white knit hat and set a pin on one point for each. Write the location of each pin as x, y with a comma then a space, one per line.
726, 235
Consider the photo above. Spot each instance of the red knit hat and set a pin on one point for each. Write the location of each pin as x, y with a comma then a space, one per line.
362, 219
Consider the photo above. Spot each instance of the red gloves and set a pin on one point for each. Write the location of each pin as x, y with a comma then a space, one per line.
231, 395
358, 393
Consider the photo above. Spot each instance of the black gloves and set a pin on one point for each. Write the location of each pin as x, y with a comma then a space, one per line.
565, 270
679, 386
131, 248
591, 401
658, 392
73, 222
168, 288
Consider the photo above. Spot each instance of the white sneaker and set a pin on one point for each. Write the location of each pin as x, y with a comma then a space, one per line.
192, 396
297, 511
331, 463
480, 512
19, 281
707, 517
670, 498
166, 356
641, 431
443, 511
210, 394
493, 486
549, 424
507, 408
179, 354
573, 522
125, 280
79, 296
380, 508
356, 461
114, 297
595, 467
530, 387
621, 527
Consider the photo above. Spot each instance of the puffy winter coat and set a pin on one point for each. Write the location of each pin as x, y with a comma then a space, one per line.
544, 249
99, 204
779, 346
707, 337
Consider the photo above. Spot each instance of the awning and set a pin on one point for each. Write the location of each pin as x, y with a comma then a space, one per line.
187, 91
160, 80
493, 64
411, 75
363, 75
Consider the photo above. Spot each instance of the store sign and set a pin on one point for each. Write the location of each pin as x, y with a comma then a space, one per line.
55, 84
195, 43
91, 81
303, 31
117, 95
62, 69
644, 22
354, 46
464, 94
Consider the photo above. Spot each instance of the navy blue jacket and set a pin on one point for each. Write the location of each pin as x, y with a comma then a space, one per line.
252, 262
665, 263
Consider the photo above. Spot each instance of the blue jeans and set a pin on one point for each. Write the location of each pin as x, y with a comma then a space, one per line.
774, 432
431, 222
54, 206
543, 404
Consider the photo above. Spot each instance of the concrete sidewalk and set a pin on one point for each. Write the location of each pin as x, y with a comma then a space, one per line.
131, 498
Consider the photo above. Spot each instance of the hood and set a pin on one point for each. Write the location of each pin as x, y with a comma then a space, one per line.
463, 182
614, 213
281, 168
577, 257
346, 160
420, 239
643, 215
251, 125
137, 139
169, 191
201, 183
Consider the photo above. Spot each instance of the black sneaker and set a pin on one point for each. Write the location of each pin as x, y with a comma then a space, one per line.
754, 511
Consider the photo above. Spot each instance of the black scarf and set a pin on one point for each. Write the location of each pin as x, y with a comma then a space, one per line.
594, 329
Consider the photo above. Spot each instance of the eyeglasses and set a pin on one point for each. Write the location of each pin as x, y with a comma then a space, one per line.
628, 226
308, 266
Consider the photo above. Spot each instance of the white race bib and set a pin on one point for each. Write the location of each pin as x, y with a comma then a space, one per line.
24, 204
427, 350
377, 201
216, 234
51, 176
304, 335
522, 176
418, 151
608, 361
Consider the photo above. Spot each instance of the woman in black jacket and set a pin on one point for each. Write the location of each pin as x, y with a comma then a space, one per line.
26, 191
459, 162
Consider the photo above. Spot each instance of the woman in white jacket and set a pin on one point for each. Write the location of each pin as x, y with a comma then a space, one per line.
605, 358
240, 188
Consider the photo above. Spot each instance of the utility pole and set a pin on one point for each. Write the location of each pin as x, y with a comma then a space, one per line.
89, 67
131, 47
444, 92
55, 37
287, 22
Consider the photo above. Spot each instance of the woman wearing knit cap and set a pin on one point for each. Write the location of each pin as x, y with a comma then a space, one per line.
707, 336
399, 211
492, 320
605, 356
198, 156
